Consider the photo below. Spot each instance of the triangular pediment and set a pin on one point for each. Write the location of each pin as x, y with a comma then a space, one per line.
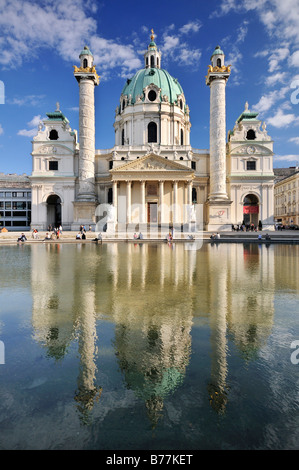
152, 163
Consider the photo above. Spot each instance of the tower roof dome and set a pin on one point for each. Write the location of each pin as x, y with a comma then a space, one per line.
86, 51
217, 51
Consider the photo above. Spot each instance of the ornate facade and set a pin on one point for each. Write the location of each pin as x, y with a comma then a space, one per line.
152, 175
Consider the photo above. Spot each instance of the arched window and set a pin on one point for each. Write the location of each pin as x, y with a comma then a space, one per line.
53, 135
218, 62
152, 61
123, 137
85, 63
181, 104
182, 137
157, 62
152, 132
250, 134
146, 62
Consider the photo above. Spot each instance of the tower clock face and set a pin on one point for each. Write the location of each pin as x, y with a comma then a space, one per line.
250, 150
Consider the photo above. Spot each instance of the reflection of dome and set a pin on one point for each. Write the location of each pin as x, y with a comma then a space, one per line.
161, 78
154, 383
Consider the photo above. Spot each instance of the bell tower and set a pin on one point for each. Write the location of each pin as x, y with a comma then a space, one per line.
87, 78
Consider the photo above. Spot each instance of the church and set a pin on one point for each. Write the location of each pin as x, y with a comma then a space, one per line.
152, 177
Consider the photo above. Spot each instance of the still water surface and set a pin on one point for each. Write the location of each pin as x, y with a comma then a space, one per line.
149, 346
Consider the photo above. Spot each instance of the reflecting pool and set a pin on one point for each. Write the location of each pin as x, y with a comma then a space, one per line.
149, 346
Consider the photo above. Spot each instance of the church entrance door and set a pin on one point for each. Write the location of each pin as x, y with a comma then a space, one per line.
152, 212
251, 210
54, 210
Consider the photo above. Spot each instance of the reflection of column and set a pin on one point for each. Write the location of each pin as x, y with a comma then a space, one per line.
129, 265
142, 212
175, 201
161, 194
129, 202
218, 293
87, 392
115, 199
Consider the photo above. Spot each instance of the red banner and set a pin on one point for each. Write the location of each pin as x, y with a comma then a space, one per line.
250, 209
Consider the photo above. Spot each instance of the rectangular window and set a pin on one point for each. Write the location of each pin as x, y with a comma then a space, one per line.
1, 205
53, 165
193, 165
250, 165
2, 194
110, 164
19, 223
18, 205
19, 214
7, 194
8, 205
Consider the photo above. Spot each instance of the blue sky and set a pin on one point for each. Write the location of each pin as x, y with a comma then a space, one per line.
41, 40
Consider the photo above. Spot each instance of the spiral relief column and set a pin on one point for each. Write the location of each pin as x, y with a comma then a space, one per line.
218, 200
87, 78
87, 140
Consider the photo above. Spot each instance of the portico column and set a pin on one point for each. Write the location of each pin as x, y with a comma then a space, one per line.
129, 202
115, 199
175, 201
161, 195
142, 202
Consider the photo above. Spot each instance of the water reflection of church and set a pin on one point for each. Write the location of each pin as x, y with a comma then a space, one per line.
153, 339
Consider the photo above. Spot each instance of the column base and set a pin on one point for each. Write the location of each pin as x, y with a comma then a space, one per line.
218, 216
84, 214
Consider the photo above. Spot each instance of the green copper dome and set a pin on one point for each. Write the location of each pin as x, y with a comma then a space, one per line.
217, 51
85, 51
159, 77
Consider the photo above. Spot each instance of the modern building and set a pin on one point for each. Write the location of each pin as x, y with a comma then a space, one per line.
15, 202
286, 196
152, 175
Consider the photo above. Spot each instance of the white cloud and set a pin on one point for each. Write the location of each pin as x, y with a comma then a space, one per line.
294, 59
29, 26
32, 131
278, 56
29, 100
295, 140
1, 129
281, 18
269, 99
278, 77
283, 120
288, 158
192, 26
179, 51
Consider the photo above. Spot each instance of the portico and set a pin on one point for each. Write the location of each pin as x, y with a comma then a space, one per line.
152, 190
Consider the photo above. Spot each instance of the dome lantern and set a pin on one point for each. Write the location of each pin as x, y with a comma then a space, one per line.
152, 57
